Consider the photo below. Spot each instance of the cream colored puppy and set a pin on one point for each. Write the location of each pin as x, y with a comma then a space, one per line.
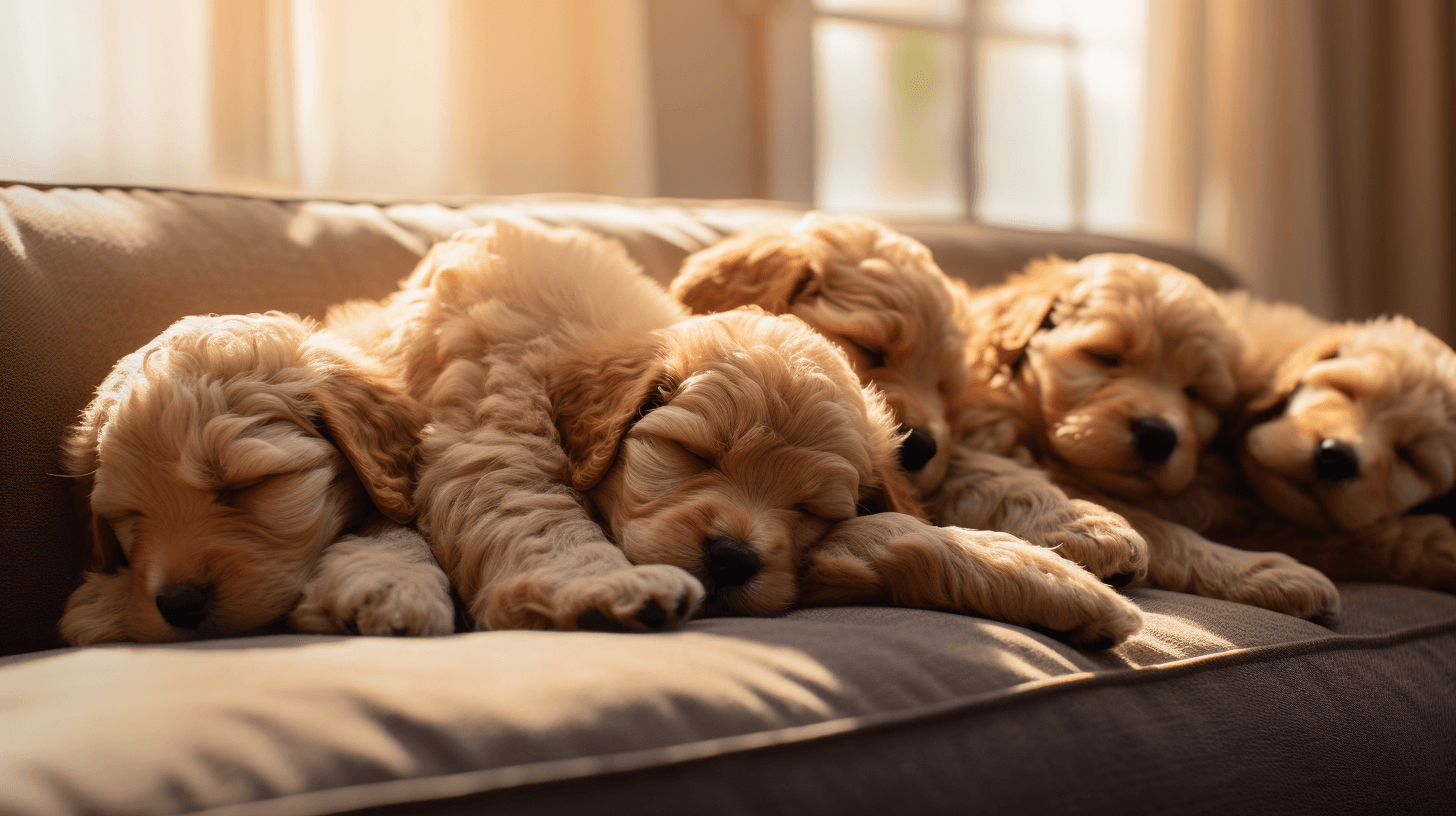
1351, 429
599, 460
876, 293
1113, 373
218, 463
882, 299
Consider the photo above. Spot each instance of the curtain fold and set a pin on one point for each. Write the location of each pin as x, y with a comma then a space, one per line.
421, 97
1309, 144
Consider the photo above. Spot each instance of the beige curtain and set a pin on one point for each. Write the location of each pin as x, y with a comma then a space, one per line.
1310, 144
342, 96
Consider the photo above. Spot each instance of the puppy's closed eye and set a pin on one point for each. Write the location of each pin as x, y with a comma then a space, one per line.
229, 494
702, 459
1111, 359
872, 356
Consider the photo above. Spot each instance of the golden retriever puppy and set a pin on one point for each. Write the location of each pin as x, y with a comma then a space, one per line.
900, 320
1114, 372
1351, 428
598, 460
875, 293
216, 465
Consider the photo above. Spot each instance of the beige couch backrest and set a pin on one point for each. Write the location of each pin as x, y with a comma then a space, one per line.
89, 275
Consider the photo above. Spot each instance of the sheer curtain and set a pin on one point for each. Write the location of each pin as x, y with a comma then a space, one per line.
346, 96
1310, 143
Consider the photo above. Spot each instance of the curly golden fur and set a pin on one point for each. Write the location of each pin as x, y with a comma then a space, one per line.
1116, 372
216, 465
874, 292
1349, 428
881, 298
600, 460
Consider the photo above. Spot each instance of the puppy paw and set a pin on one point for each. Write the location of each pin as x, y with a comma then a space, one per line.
1006, 578
1096, 538
646, 598
1278, 582
1067, 599
362, 589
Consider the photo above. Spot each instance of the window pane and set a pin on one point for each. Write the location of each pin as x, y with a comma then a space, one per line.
1107, 21
943, 12
1022, 135
1112, 92
889, 120
1044, 17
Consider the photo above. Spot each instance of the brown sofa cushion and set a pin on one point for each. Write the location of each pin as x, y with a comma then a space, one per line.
1214, 708
89, 275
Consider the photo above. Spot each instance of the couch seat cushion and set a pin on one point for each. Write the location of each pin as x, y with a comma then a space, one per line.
841, 710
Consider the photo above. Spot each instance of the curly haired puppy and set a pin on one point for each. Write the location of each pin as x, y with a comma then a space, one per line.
874, 292
216, 465
1114, 372
1352, 428
881, 298
599, 460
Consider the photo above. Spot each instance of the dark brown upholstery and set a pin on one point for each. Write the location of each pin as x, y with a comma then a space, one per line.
1213, 708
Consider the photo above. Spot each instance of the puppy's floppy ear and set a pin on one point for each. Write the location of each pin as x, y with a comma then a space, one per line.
1289, 373
105, 549
1022, 307
766, 269
371, 420
595, 398
80, 457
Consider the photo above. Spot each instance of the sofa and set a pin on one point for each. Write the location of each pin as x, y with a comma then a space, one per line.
1213, 708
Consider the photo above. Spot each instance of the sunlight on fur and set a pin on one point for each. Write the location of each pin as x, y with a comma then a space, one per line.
874, 292
1116, 366
216, 463
1356, 423
599, 460
902, 322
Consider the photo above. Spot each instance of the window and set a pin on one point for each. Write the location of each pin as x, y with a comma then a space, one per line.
1017, 112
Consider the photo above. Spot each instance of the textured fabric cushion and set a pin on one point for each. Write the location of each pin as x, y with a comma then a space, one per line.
89, 275
1214, 708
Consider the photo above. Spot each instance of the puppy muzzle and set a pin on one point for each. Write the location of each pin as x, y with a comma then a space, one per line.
1154, 439
917, 450
1335, 461
730, 563
184, 605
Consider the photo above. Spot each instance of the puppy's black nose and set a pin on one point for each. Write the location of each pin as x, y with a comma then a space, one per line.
917, 449
184, 605
1153, 439
1335, 461
730, 563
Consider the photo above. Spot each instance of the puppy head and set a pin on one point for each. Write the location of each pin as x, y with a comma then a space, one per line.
1358, 425
734, 444
875, 293
216, 463
1126, 366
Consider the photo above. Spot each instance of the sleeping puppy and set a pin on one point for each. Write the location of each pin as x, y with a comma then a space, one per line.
1352, 429
1114, 373
875, 293
216, 466
881, 298
598, 460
